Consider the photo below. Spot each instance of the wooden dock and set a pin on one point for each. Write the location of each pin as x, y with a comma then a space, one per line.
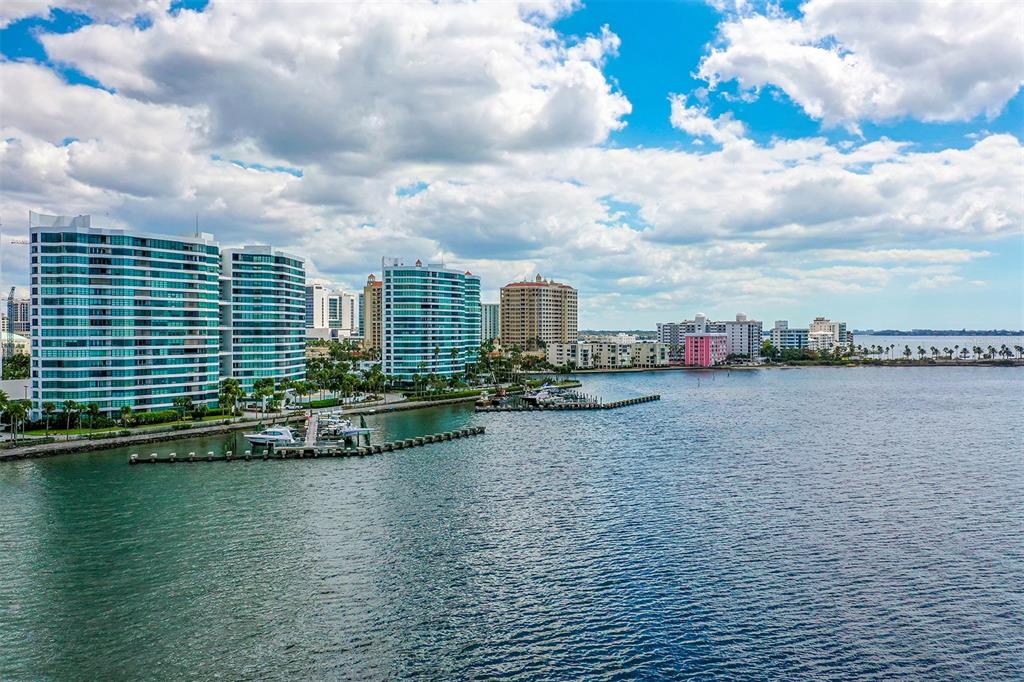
311, 429
307, 451
569, 407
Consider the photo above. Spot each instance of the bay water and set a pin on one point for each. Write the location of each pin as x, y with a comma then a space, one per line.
816, 523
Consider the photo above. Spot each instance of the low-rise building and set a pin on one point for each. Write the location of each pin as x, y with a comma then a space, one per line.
611, 355
608, 354
648, 354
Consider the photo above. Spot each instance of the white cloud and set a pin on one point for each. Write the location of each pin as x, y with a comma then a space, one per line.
844, 62
957, 256
696, 122
363, 84
937, 282
498, 122
98, 10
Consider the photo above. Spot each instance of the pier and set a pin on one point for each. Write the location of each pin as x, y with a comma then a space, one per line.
568, 407
309, 451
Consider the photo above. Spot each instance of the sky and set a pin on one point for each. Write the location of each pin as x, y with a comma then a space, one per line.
857, 160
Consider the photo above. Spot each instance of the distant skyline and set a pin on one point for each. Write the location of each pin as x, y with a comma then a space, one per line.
860, 161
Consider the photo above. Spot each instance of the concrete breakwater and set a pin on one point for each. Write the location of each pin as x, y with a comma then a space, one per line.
325, 450
568, 407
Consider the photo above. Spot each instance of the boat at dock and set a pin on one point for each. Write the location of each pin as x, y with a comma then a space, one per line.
278, 435
341, 428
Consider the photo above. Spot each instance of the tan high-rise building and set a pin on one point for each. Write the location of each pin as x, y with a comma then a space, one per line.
538, 311
373, 298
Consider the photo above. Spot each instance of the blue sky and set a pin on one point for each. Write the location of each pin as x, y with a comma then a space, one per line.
666, 158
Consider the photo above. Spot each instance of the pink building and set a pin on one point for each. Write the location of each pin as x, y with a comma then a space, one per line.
704, 350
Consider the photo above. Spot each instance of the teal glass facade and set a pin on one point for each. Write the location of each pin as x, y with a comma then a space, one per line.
431, 320
264, 335
122, 318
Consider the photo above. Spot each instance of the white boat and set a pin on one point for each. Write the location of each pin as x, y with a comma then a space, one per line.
278, 435
343, 428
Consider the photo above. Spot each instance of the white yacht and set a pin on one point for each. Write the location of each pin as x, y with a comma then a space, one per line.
342, 428
278, 435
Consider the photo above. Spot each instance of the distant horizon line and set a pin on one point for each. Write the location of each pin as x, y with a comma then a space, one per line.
868, 332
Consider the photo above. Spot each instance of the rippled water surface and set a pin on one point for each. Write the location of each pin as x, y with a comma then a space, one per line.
812, 523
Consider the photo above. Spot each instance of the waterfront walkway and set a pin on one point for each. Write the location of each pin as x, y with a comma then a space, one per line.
74, 445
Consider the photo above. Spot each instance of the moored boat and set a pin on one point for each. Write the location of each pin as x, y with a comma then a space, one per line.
278, 435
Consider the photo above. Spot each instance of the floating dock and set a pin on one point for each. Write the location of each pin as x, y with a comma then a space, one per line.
308, 451
568, 407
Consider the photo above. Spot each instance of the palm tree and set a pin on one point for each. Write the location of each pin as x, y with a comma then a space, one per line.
934, 350
4, 401
230, 394
1020, 350
94, 411
184, 404
126, 415
48, 410
423, 373
920, 352
992, 352
16, 412
907, 352
70, 408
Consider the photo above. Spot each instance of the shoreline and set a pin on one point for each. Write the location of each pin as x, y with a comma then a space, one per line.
79, 445
782, 365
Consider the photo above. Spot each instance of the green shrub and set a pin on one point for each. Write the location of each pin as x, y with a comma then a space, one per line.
150, 418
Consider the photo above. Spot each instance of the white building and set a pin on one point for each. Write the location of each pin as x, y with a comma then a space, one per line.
744, 335
331, 314
608, 354
490, 321
621, 338
820, 340
823, 329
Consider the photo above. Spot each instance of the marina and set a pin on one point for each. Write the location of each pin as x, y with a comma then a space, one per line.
308, 450
565, 405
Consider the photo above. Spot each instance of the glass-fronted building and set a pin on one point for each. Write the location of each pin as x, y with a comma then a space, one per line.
122, 318
264, 311
431, 320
